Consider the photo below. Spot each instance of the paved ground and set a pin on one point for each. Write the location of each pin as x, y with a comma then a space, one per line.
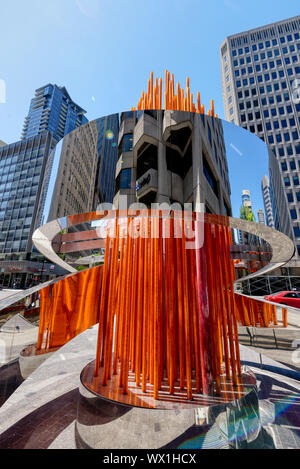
10, 380
11, 344
6, 293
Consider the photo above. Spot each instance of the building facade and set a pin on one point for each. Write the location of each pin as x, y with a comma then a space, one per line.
22, 168
260, 69
261, 217
173, 157
245, 238
266, 193
80, 171
246, 199
52, 109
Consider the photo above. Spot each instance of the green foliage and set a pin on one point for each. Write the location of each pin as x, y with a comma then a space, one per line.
81, 267
247, 214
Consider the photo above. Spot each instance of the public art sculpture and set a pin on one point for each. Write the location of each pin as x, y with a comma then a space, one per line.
164, 298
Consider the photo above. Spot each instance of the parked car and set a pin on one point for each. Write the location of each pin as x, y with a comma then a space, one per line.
288, 298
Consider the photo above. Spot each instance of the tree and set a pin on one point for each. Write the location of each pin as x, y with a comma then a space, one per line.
247, 214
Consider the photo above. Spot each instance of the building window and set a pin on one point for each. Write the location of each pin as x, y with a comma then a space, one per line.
294, 214
125, 179
209, 176
296, 181
297, 232
127, 142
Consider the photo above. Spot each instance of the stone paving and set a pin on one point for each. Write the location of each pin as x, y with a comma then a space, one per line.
10, 380
11, 344
7, 293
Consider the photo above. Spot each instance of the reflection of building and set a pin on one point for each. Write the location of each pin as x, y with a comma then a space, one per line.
2, 144
173, 157
246, 200
260, 91
266, 192
80, 172
108, 130
282, 220
70, 176
260, 217
53, 109
245, 238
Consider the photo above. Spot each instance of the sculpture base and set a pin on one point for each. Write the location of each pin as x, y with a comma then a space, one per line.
30, 359
108, 419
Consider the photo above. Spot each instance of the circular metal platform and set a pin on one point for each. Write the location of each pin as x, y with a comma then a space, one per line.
108, 419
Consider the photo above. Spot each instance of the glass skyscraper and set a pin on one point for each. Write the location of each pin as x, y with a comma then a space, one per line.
52, 115
260, 72
22, 166
53, 109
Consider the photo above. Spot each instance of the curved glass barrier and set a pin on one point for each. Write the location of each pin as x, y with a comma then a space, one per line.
174, 171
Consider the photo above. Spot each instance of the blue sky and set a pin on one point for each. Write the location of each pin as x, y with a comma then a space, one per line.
248, 163
104, 50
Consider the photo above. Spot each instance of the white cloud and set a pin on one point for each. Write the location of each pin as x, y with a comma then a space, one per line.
236, 149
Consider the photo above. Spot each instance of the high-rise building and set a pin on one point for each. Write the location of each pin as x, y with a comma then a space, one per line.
259, 74
2, 144
108, 133
245, 238
80, 171
246, 200
24, 166
261, 217
53, 109
173, 157
266, 193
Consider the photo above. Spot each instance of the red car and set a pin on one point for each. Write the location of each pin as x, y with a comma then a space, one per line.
288, 298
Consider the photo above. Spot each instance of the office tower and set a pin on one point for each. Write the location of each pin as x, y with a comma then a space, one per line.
259, 74
52, 109
108, 133
22, 167
246, 214
69, 180
261, 217
173, 157
266, 193
246, 200
2, 144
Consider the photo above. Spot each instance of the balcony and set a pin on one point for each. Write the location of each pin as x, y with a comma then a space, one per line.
148, 181
175, 119
127, 127
146, 126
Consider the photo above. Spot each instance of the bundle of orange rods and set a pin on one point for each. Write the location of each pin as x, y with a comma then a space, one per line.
175, 98
255, 313
167, 310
